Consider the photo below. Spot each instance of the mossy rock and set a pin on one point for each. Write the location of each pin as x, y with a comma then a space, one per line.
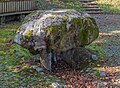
62, 29
58, 30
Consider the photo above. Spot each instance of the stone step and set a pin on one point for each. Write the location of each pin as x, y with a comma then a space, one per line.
90, 6
90, 3
86, 1
93, 9
94, 12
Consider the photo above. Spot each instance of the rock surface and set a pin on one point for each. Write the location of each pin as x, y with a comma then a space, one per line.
53, 32
77, 58
55, 85
102, 73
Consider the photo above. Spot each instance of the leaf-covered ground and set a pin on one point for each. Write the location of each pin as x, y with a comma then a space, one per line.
16, 66
109, 41
105, 73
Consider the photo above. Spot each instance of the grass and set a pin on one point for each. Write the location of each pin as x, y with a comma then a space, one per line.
66, 4
14, 71
109, 6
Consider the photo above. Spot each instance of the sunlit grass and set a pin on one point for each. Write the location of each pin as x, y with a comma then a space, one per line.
109, 6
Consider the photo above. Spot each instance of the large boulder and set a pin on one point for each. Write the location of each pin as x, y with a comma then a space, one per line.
47, 32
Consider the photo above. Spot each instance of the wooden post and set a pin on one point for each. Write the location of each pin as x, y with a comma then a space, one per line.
22, 18
2, 20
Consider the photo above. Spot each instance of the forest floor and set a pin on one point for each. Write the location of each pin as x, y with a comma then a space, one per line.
17, 71
106, 74
109, 40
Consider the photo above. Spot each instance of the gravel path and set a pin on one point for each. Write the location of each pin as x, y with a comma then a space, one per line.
109, 40
109, 37
107, 21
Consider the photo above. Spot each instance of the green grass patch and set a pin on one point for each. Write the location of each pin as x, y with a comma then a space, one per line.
14, 72
97, 49
66, 4
109, 6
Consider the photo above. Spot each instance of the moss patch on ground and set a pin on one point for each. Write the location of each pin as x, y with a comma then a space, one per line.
15, 64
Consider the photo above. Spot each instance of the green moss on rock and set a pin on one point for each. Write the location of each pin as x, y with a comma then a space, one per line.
64, 29
32, 15
29, 34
